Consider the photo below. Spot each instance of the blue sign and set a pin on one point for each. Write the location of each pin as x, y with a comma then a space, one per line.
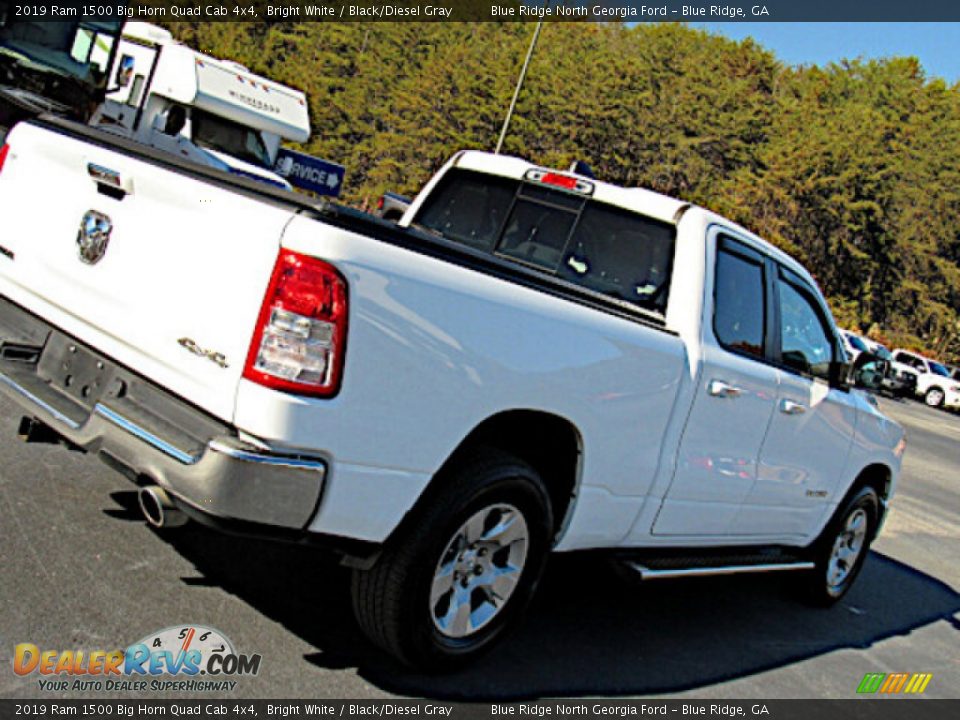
310, 173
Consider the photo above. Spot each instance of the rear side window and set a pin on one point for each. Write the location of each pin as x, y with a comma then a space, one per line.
597, 246
911, 361
739, 306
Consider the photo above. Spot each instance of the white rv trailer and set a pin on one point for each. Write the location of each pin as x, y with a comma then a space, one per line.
234, 119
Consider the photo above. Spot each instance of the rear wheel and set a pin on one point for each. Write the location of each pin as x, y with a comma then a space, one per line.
934, 397
843, 547
462, 569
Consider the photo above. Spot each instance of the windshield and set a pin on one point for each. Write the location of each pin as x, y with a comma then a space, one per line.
82, 51
216, 133
939, 369
882, 352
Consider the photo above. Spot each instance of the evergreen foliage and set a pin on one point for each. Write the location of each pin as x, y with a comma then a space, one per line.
850, 167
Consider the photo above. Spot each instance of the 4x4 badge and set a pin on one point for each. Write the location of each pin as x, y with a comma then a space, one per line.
94, 236
211, 355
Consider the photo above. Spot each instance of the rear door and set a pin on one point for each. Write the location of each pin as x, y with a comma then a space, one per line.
735, 400
161, 271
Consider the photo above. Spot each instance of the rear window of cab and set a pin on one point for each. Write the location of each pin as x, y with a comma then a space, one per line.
563, 233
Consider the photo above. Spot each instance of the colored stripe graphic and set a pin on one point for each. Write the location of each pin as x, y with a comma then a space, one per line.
894, 683
918, 683
871, 682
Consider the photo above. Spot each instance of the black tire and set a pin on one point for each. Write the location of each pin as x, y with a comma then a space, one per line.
934, 397
392, 600
816, 586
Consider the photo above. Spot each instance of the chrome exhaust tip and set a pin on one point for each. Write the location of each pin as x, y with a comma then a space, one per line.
158, 509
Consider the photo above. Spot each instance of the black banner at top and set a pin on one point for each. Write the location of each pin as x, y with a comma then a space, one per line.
487, 10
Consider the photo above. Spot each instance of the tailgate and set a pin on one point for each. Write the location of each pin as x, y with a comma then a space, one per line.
165, 273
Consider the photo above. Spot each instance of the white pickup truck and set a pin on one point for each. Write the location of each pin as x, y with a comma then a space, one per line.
934, 382
531, 361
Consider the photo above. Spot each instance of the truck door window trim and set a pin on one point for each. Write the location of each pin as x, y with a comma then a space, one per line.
773, 272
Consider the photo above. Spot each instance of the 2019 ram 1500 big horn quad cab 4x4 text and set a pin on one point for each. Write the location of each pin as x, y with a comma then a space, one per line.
529, 361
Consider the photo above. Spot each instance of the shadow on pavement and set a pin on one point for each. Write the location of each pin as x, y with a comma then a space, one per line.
590, 631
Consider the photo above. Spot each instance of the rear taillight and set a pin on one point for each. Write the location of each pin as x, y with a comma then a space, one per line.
380, 203
299, 341
4, 151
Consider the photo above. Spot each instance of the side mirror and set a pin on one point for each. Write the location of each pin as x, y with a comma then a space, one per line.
840, 375
869, 371
125, 71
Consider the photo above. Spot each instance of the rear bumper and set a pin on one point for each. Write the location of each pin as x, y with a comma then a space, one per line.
153, 436
227, 478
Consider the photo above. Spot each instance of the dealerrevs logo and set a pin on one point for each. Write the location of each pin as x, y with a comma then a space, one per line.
181, 657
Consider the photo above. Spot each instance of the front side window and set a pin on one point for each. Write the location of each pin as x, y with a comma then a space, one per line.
805, 344
739, 307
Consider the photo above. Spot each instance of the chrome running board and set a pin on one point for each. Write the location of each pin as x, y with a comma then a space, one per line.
660, 573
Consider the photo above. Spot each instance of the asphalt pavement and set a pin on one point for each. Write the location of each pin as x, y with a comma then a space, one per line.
80, 569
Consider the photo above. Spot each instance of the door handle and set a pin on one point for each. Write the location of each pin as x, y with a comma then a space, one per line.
111, 180
789, 407
718, 388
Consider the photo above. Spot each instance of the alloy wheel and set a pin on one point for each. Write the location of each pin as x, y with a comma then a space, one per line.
479, 570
